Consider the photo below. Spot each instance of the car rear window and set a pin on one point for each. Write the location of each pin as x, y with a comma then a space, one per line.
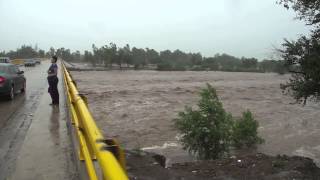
4, 69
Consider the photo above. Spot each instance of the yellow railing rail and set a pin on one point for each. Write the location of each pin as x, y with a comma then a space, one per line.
92, 144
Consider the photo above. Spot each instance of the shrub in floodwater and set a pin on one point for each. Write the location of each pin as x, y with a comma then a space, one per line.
210, 131
206, 132
245, 131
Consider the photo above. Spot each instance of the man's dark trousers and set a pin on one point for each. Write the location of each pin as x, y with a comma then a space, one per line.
53, 89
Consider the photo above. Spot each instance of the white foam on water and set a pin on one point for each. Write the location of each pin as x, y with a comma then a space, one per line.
302, 151
164, 146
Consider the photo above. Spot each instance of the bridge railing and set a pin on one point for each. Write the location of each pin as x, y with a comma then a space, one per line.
92, 145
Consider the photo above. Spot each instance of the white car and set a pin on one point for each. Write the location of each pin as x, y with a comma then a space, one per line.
29, 62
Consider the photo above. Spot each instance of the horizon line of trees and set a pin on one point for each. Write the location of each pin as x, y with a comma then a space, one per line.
139, 58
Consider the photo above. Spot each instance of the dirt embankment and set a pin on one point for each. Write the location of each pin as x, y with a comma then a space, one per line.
146, 166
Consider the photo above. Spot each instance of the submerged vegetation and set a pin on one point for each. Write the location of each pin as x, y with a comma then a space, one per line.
209, 132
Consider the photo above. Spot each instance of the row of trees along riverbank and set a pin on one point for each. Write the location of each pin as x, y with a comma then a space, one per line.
139, 58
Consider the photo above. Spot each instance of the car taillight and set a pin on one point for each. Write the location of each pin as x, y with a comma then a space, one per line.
2, 79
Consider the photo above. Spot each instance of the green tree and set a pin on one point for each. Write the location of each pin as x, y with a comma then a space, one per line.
26, 52
138, 57
245, 131
210, 63
127, 56
267, 65
302, 57
210, 131
76, 56
113, 51
97, 55
106, 55
41, 53
120, 59
249, 63
152, 56
303, 60
52, 52
2, 53
228, 62
308, 10
88, 57
206, 132
196, 58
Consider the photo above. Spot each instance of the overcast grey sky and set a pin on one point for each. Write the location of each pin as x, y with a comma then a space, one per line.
238, 27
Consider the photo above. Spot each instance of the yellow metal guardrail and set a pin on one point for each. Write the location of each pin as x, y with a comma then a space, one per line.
92, 145
17, 61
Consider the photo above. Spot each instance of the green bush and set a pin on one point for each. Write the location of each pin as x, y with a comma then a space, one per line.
206, 132
178, 67
196, 68
164, 67
281, 68
245, 131
210, 131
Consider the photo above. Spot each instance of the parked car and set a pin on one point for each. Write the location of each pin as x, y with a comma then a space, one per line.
5, 60
29, 62
38, 61
12, 80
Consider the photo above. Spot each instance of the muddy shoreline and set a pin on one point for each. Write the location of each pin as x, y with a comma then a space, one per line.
146, 166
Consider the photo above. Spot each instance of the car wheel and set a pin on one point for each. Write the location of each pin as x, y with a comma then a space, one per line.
11, 94
23, 90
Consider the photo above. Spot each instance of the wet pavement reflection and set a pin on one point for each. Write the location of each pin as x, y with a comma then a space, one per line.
54, 125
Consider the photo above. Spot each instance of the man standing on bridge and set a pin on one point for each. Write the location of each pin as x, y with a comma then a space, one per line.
53, 81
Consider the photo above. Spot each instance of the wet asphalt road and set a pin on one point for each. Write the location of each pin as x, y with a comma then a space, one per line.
34, 138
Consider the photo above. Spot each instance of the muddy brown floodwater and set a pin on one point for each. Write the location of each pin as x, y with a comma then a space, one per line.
137, 107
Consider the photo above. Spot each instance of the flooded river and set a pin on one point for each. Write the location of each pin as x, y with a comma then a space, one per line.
137, 107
